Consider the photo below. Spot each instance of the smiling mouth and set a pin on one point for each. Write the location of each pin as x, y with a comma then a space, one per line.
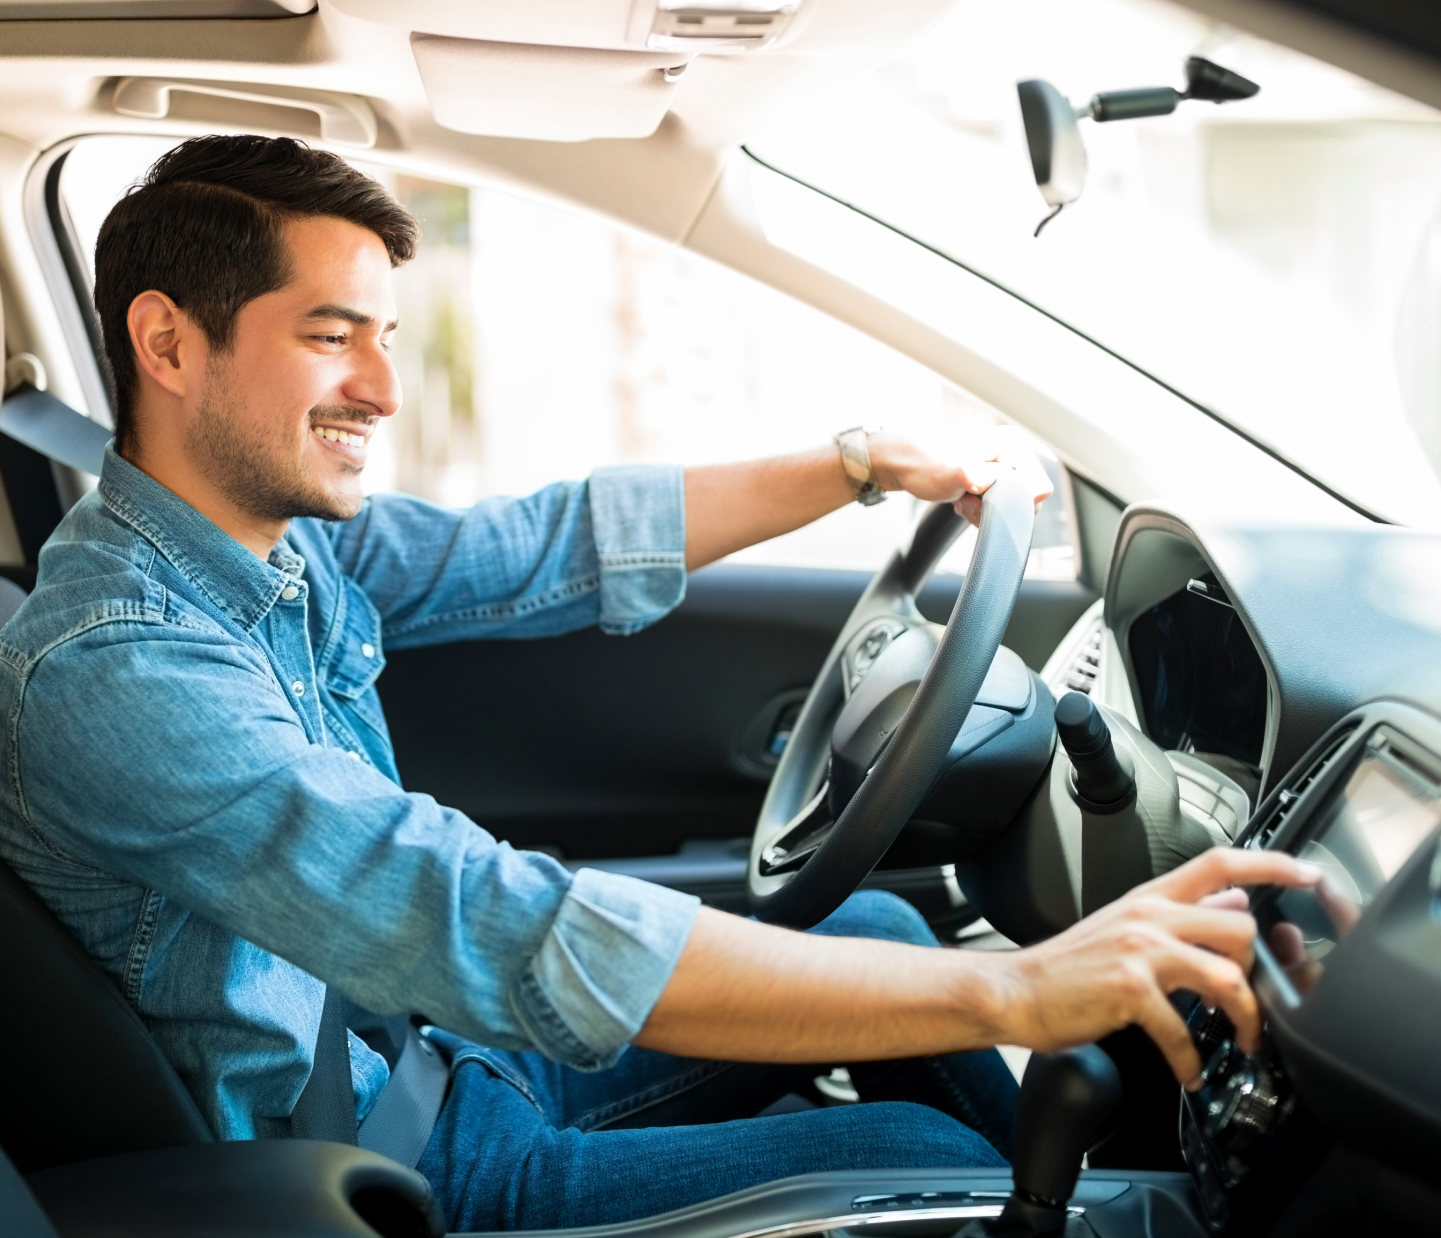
331, 435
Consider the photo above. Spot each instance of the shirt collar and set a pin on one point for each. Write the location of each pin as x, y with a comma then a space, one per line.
232, 577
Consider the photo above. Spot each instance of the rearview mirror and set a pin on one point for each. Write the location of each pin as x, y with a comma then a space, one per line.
1058, 156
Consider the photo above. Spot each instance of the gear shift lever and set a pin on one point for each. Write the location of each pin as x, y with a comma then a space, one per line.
1066, 1099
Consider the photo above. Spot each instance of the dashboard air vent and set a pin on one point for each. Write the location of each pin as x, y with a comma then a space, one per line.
1266, 826
1086, 665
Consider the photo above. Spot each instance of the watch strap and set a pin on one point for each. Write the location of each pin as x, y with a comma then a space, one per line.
856, 460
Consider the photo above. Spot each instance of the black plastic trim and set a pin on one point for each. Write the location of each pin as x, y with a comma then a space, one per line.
76, 270
255, 1188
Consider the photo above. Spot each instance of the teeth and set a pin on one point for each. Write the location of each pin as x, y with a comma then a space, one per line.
341, 436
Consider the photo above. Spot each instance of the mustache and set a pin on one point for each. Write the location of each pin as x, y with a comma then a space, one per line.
346, 413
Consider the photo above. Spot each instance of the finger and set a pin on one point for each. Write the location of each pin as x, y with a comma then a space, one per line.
1222, 930
1220, 867
1227, 900
1158, 1018
1218, 982
980, 475
969, 506
1032, 473
1287, 944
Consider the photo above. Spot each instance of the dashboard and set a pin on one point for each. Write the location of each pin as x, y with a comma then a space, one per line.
1348, 974
1305, 664
1335, 616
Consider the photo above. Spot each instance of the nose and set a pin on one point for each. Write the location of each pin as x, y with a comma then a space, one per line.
373, 383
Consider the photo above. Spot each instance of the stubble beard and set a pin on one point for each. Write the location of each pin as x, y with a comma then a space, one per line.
263, 474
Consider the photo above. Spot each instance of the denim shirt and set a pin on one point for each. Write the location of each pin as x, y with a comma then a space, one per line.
199, 783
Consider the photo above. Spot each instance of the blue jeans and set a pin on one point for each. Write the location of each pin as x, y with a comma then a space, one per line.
525, 1143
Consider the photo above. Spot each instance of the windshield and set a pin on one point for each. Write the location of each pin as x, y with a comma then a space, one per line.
1276, 260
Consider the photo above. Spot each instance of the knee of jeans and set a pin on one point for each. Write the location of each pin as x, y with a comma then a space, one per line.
879, 914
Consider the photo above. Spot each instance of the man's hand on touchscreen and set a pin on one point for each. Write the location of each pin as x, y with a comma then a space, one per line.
1187, 930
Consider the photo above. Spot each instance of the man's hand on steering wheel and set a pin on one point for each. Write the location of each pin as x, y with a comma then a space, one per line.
964, 474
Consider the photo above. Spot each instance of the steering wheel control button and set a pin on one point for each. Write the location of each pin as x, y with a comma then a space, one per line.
289, 593
801, 838
867, 646
367, 650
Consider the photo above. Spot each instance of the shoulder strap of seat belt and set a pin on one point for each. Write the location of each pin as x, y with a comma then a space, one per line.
54, 429
401, 1121
326, 1108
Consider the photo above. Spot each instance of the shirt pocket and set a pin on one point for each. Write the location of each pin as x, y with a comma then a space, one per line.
356, 657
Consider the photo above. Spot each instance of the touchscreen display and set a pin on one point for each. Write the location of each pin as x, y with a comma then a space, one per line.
1388, 808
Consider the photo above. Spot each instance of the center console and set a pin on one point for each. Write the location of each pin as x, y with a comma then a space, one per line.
1349, 978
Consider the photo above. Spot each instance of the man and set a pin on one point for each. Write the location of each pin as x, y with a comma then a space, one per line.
200, 784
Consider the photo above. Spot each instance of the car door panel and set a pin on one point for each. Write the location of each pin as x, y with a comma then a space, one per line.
608, 747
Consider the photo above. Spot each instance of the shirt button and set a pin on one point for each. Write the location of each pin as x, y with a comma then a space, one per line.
368, 650
298, 688
290, 593
354, 756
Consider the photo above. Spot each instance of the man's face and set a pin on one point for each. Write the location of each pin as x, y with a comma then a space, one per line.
285, 418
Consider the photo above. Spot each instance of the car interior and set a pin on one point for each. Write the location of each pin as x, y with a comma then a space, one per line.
695, 230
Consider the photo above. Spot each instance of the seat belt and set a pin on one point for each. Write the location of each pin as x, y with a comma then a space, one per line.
54, 429
403, 1116
400, 1122
326, 1108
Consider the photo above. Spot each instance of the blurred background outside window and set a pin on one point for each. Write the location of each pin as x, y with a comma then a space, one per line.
1277, 260
537, 343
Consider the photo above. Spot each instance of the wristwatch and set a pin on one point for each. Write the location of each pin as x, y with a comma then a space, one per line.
856, 460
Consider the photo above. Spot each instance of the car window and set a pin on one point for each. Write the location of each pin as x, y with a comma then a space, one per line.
537, 343
1277, 260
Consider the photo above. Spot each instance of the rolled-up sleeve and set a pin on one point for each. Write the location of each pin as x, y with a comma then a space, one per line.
607, 551
638, 516
610, 951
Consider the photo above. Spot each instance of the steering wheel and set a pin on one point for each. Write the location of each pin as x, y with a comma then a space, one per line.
883, 713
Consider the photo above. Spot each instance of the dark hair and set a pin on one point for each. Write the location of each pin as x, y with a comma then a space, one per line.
205, 227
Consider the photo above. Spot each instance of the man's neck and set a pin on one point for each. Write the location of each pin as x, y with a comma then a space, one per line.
174, 471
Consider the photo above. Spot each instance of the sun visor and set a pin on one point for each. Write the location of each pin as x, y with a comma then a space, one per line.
557, 94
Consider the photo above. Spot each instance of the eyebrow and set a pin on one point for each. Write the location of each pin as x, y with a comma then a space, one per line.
322, 313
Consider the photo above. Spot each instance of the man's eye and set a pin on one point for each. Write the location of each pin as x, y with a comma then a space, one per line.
331, 339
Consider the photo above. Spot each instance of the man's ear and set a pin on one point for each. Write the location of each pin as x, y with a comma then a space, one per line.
170, 349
